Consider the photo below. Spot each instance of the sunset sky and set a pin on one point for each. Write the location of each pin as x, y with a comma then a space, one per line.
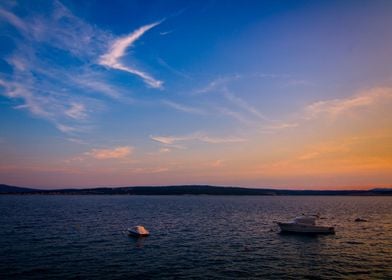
282, 94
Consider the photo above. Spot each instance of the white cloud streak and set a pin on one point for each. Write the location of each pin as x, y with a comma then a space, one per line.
169, 140
117, 50
35, 104
65, 128
235, 115
76, 111
166, 32
218, 84
221, 83
172, 140
114, 153
13, 20
94, 84
77, 141
244, 105
173, 70
184, 108
40, 83
336, 107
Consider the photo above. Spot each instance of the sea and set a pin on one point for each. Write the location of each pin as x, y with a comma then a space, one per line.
192, 237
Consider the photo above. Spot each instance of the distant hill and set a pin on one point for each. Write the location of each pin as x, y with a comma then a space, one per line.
382, 190
188, 190
13, 189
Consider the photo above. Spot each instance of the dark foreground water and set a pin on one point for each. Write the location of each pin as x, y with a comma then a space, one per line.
200, 237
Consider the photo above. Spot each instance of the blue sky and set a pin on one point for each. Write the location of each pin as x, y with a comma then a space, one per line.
179, 92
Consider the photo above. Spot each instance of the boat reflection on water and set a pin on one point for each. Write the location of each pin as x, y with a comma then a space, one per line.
139, 242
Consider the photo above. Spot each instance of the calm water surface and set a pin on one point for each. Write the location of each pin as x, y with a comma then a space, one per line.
199, 237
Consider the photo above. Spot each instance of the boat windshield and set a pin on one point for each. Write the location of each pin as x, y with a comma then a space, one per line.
305, 220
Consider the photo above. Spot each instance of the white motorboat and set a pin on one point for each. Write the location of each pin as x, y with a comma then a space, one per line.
305, 224
138, 231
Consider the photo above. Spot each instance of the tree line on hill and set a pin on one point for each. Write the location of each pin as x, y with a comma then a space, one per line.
189, 190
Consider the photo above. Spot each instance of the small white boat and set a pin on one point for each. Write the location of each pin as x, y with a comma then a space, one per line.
305, 224
138, 231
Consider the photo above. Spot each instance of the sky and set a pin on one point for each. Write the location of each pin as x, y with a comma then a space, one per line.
281, 94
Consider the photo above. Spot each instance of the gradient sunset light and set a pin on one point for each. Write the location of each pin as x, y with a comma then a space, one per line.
282, 94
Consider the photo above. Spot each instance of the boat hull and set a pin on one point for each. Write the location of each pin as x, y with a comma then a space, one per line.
305, 229
136, 234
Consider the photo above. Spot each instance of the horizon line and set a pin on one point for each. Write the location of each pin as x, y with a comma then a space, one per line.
324, 188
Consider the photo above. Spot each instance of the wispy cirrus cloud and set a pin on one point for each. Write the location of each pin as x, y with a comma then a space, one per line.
172, 140
218, 84
65, 31
67, 113
53, 74
151, 170
40, 81
217, 163
241, 110
359, 105
336, 107
169, 140
113, 153
76, 111
324, 149
65, 128
166, 32
235, 115
184, 108
220, 140
117, 51
278, 126
222, 82
164, 150
77, 141
35, 104
244, 105
13, 20
94, 83
172, 69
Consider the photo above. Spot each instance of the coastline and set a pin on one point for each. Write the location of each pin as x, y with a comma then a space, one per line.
192, 190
